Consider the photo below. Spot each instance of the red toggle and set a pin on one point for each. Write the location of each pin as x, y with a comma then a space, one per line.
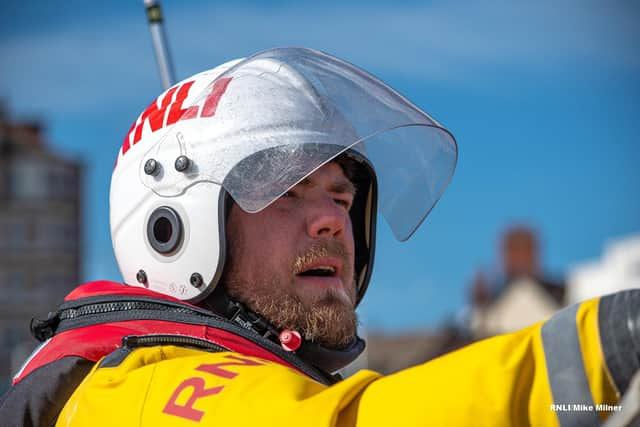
290, 340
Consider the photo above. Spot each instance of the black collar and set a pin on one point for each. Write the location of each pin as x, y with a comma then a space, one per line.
329, 360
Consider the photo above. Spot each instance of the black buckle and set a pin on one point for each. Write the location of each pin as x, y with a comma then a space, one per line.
251, 321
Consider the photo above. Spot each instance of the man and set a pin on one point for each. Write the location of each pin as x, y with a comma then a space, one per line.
243, 212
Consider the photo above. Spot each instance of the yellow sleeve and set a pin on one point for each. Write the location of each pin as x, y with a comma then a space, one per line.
500, 381
552, 373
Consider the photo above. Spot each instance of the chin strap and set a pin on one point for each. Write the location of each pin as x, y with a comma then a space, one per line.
327, 359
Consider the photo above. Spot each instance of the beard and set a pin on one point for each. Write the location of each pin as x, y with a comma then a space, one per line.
327, 318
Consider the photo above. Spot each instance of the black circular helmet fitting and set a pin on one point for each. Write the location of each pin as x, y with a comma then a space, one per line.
164, 230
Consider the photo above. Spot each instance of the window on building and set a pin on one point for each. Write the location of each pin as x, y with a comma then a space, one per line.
70, 236
53, 285
62, 182
14, 233
13, 284
56, 235
28, 179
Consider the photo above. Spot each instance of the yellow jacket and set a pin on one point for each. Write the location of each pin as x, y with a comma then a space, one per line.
552, 373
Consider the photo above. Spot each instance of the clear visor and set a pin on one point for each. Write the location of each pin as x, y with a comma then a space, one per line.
274, 118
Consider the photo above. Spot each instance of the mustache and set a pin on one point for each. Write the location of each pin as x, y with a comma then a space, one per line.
318, 250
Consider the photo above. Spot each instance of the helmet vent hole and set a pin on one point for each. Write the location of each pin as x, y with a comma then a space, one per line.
164, 230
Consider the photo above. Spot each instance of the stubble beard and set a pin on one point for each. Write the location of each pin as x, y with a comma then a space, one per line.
328, 319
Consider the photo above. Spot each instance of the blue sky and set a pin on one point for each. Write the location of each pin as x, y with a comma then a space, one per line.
542, 97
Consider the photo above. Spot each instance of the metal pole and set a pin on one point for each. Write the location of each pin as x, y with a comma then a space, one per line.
160, 47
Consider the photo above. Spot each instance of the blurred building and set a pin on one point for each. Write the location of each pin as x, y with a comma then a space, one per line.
40, 227
391, 353
618, 269
521, 295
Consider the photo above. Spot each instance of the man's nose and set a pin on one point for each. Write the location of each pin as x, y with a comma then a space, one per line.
326, 218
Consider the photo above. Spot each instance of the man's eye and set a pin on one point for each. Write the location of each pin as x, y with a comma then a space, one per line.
289, 195
344, 203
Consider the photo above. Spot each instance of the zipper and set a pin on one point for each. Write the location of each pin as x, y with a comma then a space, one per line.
110, 307
134, 341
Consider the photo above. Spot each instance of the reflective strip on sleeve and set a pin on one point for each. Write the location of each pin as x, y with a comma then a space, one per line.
565, 370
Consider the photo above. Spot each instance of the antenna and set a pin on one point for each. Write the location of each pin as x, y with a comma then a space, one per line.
160, 47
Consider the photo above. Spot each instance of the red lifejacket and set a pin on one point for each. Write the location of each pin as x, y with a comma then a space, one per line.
100, 331
101, 318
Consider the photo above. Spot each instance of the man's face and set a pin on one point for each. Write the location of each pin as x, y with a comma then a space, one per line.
293, 262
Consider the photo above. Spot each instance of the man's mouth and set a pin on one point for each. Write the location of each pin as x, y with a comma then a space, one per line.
321, 267
325, 273
321, 271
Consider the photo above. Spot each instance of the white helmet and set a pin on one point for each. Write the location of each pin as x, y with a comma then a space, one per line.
250, 130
